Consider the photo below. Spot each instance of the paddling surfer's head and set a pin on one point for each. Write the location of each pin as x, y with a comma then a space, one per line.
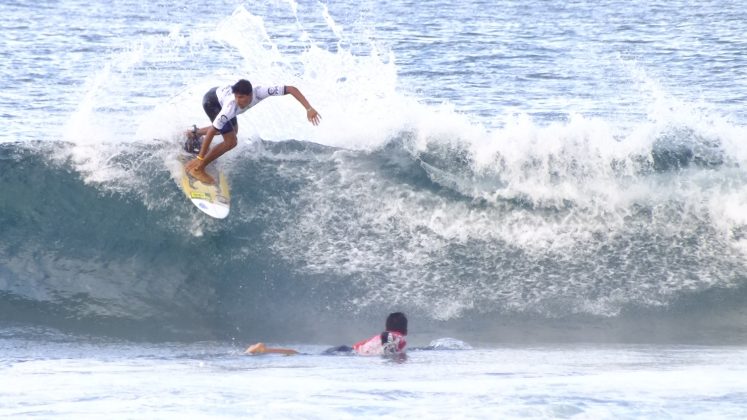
397, 321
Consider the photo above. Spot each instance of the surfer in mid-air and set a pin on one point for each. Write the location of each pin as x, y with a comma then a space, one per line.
222, 105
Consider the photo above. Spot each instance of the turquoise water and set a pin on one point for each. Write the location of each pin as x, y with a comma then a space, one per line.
561, 185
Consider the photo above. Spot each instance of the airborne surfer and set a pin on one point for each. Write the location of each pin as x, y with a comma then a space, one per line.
222, 105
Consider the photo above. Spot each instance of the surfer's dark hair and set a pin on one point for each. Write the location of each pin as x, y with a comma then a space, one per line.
397, 321
242, 87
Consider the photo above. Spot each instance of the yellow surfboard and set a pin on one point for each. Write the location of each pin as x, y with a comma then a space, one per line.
213, 200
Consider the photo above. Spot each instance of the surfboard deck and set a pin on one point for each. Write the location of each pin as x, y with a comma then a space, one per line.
213, 200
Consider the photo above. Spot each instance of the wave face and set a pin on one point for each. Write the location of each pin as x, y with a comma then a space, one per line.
495, 177
322, 239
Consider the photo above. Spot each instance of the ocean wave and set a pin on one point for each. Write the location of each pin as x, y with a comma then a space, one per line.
326, 239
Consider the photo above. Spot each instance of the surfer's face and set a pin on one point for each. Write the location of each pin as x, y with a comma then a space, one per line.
242, 100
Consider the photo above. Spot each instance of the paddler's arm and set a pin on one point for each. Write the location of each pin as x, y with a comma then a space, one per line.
311, 114
260, 348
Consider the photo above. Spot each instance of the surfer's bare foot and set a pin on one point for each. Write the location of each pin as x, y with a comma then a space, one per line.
192, 133
201, 175
192, 164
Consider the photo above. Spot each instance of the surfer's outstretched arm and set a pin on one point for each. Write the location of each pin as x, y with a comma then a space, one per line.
260, 348
311, 114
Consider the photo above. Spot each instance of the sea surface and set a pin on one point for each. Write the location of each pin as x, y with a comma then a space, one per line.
554, 192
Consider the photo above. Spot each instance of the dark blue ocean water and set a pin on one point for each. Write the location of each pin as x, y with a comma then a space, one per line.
507, 173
